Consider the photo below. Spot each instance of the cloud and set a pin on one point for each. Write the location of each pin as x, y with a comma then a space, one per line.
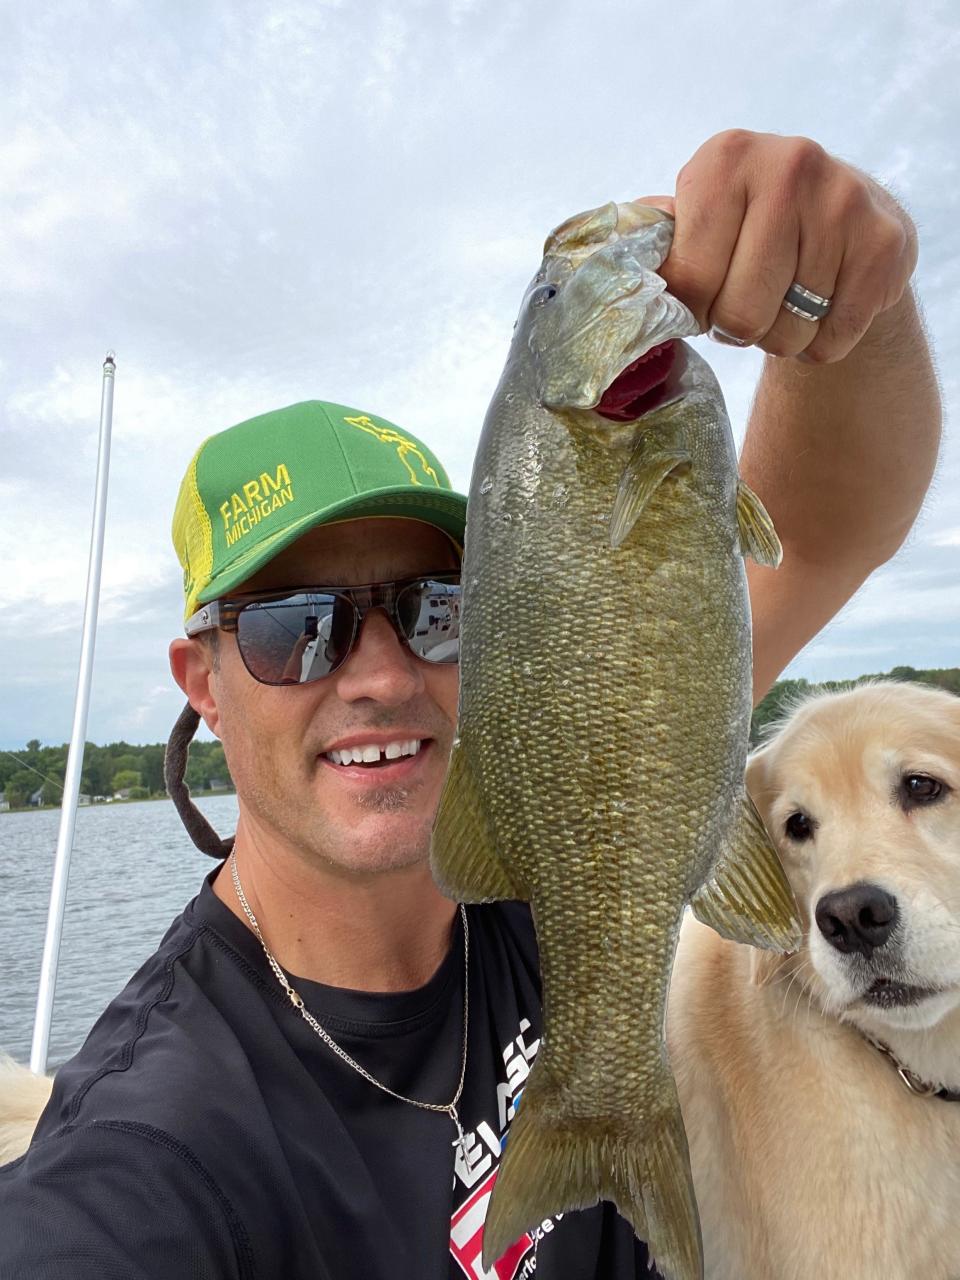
945, 538
917, 597
906, 614
263, 203
850, 649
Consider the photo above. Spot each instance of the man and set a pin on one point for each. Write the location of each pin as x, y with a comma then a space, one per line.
324, 1044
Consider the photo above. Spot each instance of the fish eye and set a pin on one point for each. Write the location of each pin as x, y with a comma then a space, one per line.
544, 295
798, 827
920, 788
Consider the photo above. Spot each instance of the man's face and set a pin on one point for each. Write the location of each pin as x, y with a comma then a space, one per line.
278, 740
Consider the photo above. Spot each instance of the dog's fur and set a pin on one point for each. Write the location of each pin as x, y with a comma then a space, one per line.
810, 1156
22, 1098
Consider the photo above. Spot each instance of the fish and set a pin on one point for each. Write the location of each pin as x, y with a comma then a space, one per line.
604, 709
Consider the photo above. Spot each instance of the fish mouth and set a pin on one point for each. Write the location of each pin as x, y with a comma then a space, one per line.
649, 382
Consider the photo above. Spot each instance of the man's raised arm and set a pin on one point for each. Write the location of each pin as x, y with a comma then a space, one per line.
843, 454
845, 428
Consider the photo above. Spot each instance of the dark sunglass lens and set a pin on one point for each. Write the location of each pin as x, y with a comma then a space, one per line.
429, 614
340, 630
296, 639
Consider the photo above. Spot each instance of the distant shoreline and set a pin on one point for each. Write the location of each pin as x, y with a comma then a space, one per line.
103, 804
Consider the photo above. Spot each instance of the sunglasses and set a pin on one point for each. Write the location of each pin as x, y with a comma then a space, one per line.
297, 635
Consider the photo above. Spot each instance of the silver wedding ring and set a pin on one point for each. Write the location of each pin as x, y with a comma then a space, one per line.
805, 304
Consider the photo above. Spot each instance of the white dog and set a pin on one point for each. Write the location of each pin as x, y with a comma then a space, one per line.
821, 1092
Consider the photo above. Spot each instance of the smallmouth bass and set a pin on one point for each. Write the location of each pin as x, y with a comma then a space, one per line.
604, 716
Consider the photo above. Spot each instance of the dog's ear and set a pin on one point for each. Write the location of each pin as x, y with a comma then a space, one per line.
758, 779
756, 774
953, 712
764, 965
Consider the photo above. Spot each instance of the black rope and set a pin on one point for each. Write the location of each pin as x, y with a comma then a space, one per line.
174, 767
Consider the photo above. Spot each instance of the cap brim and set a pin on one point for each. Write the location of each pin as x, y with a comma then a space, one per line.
442, 508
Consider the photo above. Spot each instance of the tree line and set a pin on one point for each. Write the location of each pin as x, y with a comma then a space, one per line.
119, 768
136, 772
785, 692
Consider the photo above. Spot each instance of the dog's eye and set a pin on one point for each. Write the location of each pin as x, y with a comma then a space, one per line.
919, 788
798, 827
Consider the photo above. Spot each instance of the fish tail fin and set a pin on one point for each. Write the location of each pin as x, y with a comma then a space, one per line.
551, 1166
673, 1221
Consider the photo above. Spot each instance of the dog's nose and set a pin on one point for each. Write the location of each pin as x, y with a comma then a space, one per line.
858, 918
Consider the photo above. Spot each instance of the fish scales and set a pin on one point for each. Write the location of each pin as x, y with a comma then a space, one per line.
569, 711
604, 716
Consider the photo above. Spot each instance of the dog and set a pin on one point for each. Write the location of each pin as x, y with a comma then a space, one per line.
821, 1091
23, 1097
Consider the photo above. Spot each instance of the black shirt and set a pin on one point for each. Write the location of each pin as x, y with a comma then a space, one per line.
205, 1131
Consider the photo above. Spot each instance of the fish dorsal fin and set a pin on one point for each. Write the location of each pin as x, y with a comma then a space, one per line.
758, 537
633, 217
463, 853
642, 476
582, 231
748, 898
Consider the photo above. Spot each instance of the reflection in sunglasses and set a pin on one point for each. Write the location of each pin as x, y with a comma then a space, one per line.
308, 635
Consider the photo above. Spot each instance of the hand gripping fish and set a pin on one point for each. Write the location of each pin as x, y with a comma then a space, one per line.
604, 716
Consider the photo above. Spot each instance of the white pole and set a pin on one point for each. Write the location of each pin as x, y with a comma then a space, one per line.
71, 782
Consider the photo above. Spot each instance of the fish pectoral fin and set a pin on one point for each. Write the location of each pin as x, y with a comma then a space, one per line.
463, 852
748, 898
758, 537
552, 1165
643, 475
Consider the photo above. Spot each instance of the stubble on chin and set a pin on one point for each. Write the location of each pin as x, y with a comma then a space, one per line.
387, 800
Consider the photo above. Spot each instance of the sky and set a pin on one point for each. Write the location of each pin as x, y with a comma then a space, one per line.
257, 203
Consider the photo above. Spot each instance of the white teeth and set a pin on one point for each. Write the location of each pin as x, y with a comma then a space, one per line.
371, 754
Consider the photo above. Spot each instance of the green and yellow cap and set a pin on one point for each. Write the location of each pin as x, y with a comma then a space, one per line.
253, 489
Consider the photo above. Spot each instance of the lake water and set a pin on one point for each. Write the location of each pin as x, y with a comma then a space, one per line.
133, 869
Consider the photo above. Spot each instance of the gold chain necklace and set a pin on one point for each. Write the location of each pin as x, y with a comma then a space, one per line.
450, 1108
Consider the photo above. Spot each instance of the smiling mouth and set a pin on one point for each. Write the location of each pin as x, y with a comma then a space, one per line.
371, 757
885, 993
643, 385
